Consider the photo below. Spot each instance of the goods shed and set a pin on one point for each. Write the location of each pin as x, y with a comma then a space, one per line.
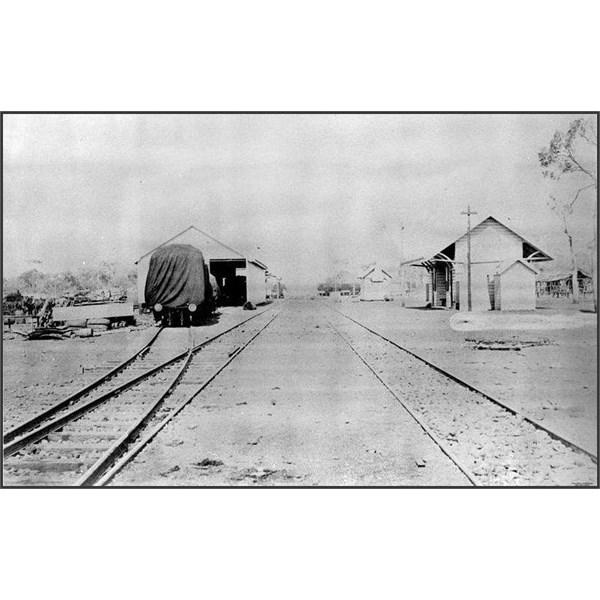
494, 246
240, 279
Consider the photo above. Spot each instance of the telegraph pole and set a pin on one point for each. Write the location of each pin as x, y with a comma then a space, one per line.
468, 213
401, 268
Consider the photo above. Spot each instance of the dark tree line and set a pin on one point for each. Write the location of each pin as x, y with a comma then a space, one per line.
330, 287
105, 276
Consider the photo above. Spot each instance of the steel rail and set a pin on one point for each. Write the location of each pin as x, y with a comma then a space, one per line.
20, 429
42, 431
121, 444
443, 447
472, 388
106, 468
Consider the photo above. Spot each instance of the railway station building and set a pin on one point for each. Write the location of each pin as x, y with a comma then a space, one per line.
240, 279
502, 266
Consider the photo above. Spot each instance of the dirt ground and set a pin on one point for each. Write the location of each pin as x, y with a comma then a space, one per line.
297, 407
37, 374
554, 380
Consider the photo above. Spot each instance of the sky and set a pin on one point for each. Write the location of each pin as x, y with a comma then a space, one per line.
306, 194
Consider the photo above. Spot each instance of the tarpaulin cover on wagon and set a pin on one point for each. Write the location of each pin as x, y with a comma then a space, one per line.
176, 276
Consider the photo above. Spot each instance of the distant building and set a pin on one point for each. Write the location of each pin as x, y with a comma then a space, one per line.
410, 284
495, 250
375, 284
240, 279
559, 284
275, 289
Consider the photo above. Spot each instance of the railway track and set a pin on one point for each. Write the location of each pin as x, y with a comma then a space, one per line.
87, 441
491, 443
143, 358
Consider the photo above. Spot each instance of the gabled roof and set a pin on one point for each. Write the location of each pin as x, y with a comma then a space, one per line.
483, 223
371, 268
506, 265
194, 228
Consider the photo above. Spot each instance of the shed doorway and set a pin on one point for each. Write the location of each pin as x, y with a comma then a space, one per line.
230, 275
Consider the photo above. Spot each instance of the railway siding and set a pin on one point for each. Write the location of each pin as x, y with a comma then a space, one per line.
199, 370
54, 368
297, 408
499, 447
555, 383
77, 440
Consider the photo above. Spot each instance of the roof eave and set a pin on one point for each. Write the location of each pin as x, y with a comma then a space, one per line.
199, 231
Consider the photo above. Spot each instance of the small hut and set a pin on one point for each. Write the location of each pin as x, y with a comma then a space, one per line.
514, 286
375, 284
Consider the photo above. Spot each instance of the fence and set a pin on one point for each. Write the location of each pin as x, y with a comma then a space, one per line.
563, 288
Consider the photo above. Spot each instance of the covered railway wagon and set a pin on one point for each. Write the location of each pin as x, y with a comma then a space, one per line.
178, 288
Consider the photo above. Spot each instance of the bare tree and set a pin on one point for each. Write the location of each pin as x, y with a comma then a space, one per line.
564, 210
564, 156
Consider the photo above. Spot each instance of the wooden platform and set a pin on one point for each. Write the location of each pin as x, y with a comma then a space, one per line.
94, 310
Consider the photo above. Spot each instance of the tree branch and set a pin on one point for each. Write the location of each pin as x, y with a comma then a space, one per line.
571, 157
591, 138
572, 203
